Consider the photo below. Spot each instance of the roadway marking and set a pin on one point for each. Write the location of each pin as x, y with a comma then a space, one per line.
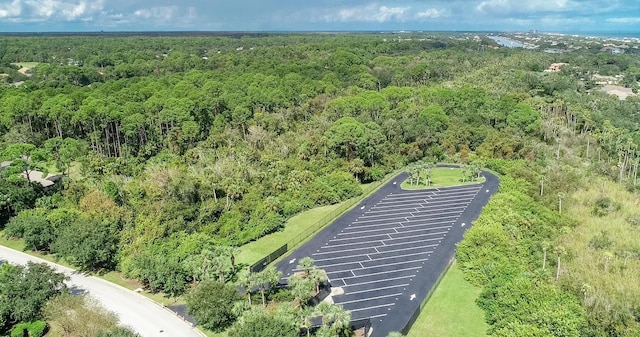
374, 307
370, 290
378, 273
423, 229
348, 244
405, 255
340, 257
373, 230
370, 298
377, 266
340, 251
376, 281
377, 316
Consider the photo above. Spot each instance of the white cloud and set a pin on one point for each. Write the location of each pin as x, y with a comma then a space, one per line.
510, 7
162, 13
430, 13
42, 10
627, 20
11, 10
368, 13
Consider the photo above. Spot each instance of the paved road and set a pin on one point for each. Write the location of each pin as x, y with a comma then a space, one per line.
388, 252
134, 310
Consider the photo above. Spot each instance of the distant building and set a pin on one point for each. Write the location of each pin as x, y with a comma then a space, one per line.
555, 67
604, 80
35, 176
612, 49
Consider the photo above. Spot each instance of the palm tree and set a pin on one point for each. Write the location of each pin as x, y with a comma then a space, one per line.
545, 246
325, 310
305, 316
231, 252
318, 276
220, 262
465, 170
306, 264
341, 321
202, 265
272, 277
428, 171
300, 289
267, 279
560, 251
248, 281
560, 197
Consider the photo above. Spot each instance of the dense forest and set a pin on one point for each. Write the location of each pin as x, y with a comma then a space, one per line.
173, 148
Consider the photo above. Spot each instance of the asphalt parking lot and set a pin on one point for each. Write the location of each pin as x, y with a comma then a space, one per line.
388, 252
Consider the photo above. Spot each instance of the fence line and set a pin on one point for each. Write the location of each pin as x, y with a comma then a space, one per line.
316, 226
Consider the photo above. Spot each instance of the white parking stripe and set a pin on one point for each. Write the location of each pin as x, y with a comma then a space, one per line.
377, 316
424, 229
340, 251
435, 207
357, 225
360, 237
423, 223
381, 272
414, 236
342, 257
350, 244
371, 230
380, 217
370, 298
376, 289
374, 307
377, 281
396, 210
380, 265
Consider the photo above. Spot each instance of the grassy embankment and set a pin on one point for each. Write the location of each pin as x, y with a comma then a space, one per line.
441, 177
253, 251
451, 310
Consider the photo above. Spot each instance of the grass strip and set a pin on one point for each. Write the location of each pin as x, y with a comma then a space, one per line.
451, 311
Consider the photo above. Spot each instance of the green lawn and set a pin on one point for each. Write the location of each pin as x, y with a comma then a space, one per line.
253, 251
451, 310
26, 64
441, 177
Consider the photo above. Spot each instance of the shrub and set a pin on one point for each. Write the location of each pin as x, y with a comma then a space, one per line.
634, 220
603, 206
37, 328
601, 241
19, 330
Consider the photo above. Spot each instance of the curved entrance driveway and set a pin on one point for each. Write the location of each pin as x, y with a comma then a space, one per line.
134, 310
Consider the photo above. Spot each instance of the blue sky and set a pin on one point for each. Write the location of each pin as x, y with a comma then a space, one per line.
322, 15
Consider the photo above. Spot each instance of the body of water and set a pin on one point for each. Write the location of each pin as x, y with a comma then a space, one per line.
507, 42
